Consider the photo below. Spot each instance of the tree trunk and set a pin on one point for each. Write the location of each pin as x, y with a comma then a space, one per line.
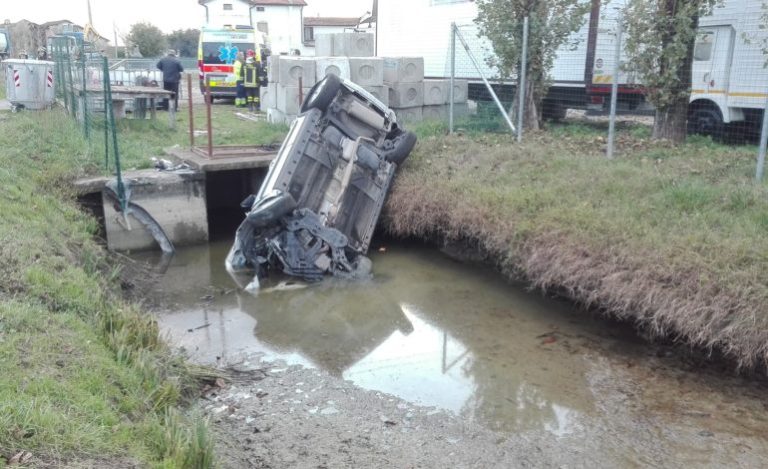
531, 111
670, 122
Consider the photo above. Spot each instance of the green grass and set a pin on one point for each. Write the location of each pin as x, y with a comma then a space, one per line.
670, 237
86, 380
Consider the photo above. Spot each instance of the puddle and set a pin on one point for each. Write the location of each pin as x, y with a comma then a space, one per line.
456, 337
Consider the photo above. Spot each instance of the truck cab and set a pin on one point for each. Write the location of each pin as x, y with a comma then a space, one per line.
5, 44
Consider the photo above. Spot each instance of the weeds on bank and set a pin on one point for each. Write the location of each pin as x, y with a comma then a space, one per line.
85, 376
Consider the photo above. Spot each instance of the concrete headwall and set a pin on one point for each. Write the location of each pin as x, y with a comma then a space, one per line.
177, 201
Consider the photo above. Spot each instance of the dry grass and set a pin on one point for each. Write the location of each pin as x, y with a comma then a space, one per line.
670, 238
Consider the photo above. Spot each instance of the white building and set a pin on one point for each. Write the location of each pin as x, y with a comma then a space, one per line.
280, 20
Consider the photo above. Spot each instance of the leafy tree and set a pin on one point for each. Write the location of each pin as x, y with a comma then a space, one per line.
184, 41
661, 35
148, 38
551, 22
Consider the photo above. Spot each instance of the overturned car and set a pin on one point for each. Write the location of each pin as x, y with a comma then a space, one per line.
318, 206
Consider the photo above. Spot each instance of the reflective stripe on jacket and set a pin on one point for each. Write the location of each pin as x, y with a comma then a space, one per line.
251, 75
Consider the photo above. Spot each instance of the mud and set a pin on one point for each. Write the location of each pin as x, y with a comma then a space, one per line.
436, 363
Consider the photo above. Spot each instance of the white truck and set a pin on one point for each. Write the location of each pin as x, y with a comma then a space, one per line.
729, 78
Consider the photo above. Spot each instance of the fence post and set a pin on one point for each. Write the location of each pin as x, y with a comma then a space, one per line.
521, 82
763, 142
614, 88
191, 112
84, 98
208, 102
453, 77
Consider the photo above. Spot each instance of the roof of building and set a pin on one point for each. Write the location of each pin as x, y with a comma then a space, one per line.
300, 3
330, 21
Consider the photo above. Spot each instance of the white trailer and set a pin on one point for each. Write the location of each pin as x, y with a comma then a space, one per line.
423, 28
729, 78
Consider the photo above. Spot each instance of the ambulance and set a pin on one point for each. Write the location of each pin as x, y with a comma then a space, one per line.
216, 54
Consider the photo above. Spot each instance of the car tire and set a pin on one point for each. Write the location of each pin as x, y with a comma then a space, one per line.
403, 144
271, 209
322, 93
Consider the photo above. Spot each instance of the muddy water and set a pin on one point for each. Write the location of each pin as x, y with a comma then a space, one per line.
439, 333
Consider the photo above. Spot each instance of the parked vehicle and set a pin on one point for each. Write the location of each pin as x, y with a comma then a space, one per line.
5, 45
217, 51
318, 206
729, 78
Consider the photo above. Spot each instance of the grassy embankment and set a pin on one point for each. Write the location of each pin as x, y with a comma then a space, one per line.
86, 380
671, 238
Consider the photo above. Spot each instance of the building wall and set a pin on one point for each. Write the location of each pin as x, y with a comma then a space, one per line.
218, 16
284, 27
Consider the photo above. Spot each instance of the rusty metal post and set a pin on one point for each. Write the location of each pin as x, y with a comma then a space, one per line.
301, 93
208, 101
191, 113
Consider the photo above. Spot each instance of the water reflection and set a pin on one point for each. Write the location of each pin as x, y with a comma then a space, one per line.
425, 329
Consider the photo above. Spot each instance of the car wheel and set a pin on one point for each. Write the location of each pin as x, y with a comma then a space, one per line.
321, 95
271, 209
402, 146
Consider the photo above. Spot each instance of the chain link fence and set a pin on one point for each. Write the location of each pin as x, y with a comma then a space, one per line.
593, 85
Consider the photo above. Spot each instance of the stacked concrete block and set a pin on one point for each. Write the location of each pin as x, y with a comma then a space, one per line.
379, 92
406, 95
436, 92
276, 116
353, 44
366, 71
339, 66
409, 115
289, 99
268, 96
403, 70
442, 112
344, 45
290, 69
273, 69
460, 91
404, 76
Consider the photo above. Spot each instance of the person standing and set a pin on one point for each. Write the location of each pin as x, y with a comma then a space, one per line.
240, 90
251, 81
171, 68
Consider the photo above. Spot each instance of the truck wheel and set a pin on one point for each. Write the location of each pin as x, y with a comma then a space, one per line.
321, 95
706, 121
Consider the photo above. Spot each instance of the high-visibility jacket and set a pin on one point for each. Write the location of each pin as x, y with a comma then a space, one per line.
238, 65
251, 75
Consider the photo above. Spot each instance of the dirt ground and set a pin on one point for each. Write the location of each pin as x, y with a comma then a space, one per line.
302, 418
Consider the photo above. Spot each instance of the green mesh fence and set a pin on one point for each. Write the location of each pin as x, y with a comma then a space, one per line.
83, 87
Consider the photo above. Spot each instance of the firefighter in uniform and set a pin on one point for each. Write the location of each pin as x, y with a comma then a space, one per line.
251, 81
240, 89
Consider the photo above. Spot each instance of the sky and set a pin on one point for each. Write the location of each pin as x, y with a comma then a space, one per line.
168, 15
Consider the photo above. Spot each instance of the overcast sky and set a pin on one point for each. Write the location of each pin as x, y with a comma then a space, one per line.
168, 15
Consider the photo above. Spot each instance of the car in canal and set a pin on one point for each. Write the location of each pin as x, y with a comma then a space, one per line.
316, 211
